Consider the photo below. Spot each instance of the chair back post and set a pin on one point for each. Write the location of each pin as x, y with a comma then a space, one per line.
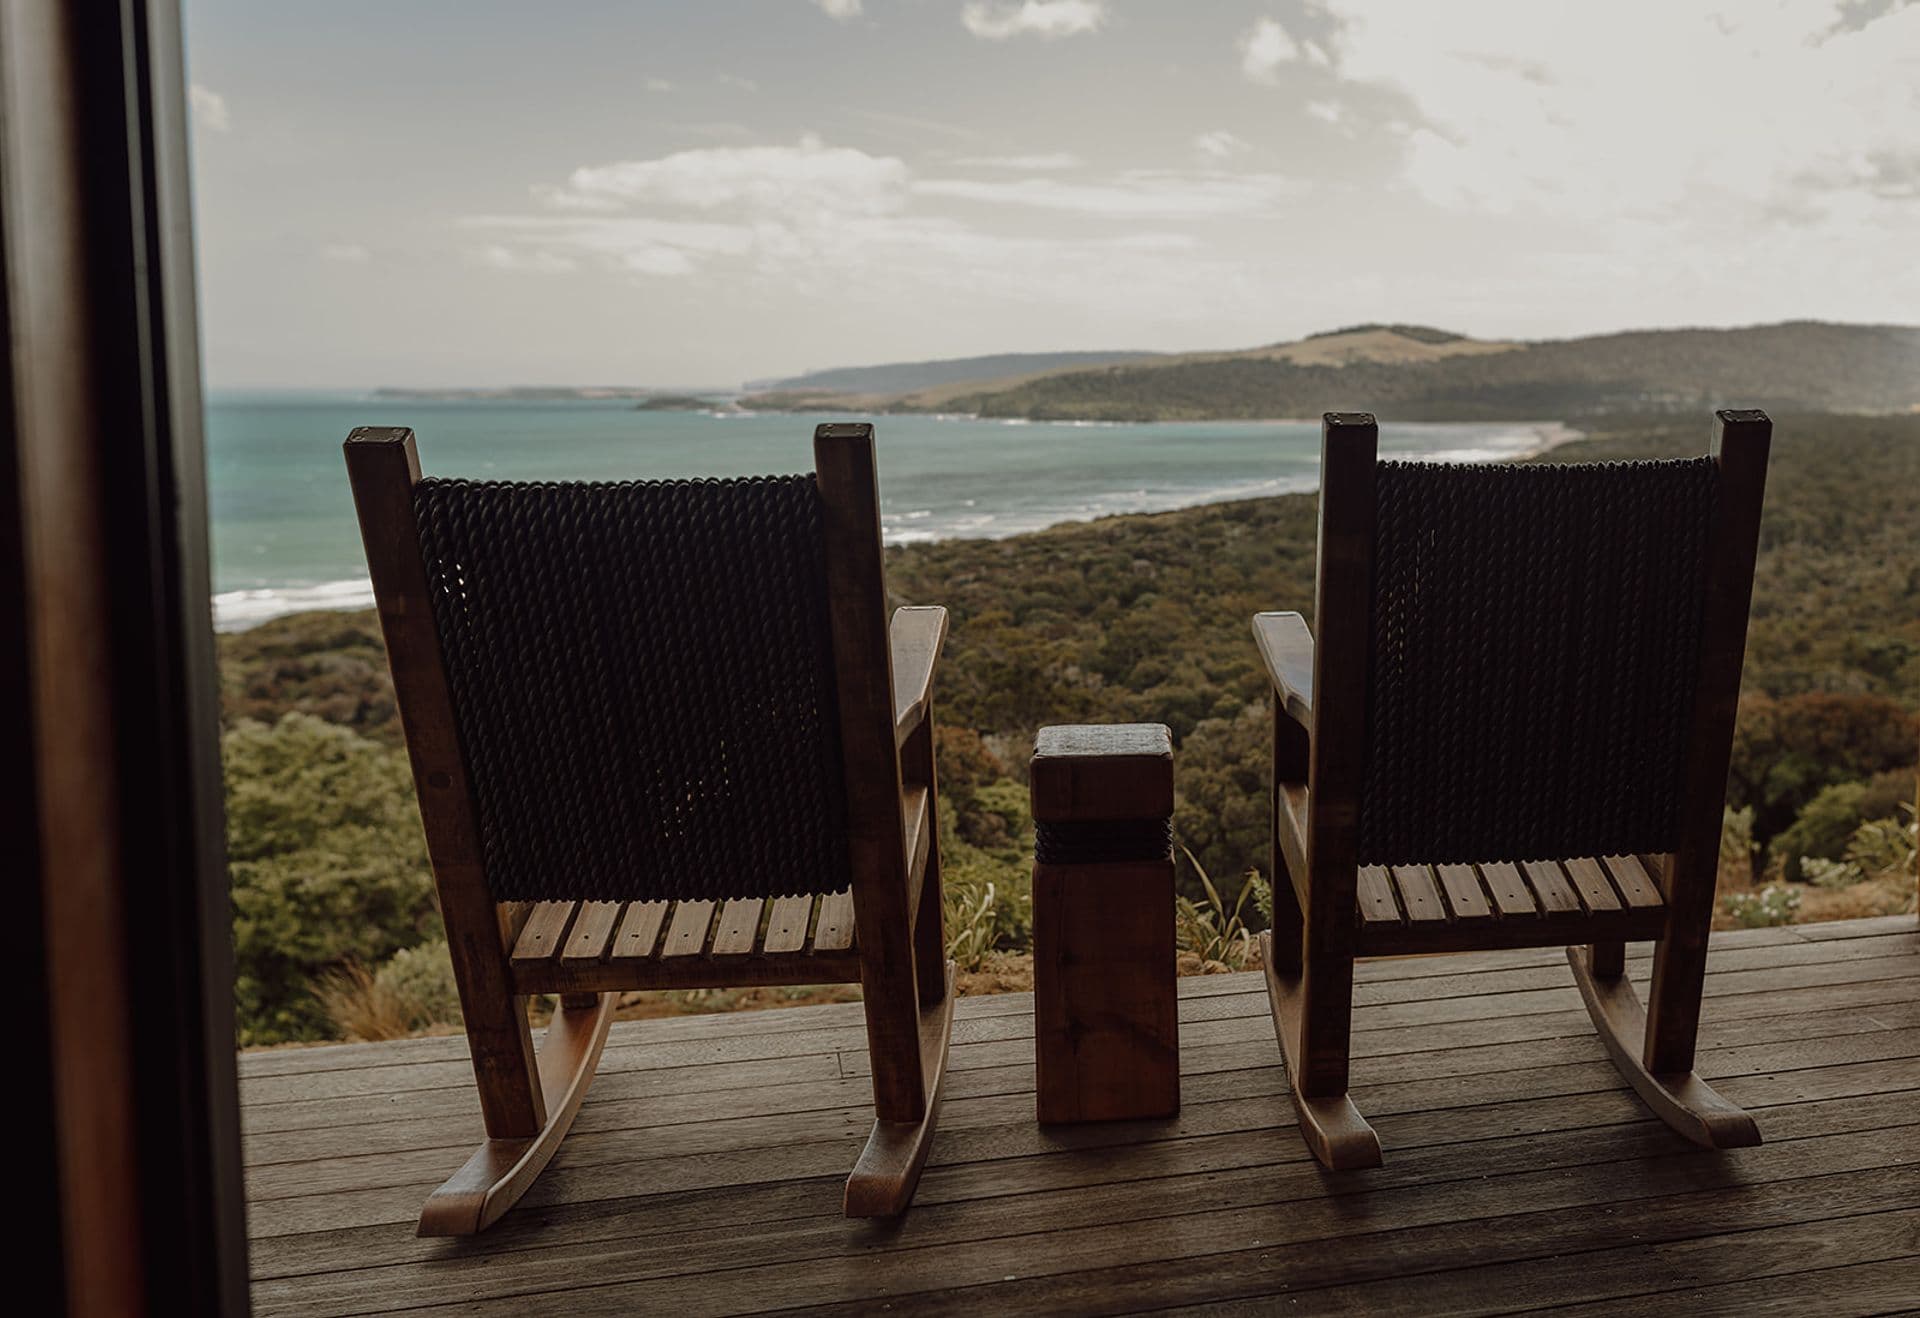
383, 466
1342, 613
863, 674
1741, 442
1342, 617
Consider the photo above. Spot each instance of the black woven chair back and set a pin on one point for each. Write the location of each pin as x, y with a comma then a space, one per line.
1535, 642
642, 678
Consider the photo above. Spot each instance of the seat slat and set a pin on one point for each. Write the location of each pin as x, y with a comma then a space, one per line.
639, 930
1463, 892
1419, 895
787, 924
834, 933
592, 930
1375, 891
1510, 892
1596, 891
1633, 881
687, 934
739, 926
1550, 885
545, 931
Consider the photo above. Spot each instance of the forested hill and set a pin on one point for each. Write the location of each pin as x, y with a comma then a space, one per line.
1799, 365
910, 377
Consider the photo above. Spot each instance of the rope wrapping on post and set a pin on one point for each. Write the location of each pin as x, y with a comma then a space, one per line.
1102, 841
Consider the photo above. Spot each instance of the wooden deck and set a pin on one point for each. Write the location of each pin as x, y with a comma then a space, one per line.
704, 1173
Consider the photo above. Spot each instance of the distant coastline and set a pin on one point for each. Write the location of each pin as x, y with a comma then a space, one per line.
285, 541
518, 393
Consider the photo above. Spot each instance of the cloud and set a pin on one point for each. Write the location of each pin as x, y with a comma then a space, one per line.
1267, 47
1887, 173
1853, 15
737, 82
209, 109
997, 20
569, 199
810, 178
643, 244
1054, 160
498, 257
1220, 144
1609, 112
659, 85
913, 128
839, 10
834, 220
1531, 70
1134, 194
346, 253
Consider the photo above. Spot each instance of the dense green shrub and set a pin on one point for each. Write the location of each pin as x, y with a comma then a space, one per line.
1822, 829
1828, 821
421, 979
328, 864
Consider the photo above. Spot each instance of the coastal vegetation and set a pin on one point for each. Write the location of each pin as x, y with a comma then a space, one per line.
673, 403
1138, 618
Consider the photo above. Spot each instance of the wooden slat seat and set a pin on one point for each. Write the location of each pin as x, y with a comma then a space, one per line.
1443, 908
575, 947
1428, 908
572, 947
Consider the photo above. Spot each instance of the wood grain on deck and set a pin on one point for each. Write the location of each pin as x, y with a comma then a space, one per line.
704, 1173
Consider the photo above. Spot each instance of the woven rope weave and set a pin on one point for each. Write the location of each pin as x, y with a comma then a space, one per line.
642, 676
1536, 632
1101, 841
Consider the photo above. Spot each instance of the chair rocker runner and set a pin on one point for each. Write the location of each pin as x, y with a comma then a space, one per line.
664, 736
1513, 730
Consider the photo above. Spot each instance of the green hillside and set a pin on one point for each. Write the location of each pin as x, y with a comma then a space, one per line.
909, 377
1800, 365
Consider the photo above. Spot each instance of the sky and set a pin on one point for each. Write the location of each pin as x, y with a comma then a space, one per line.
486, 193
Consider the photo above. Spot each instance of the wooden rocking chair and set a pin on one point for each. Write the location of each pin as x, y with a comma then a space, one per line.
1514, 731
664, 736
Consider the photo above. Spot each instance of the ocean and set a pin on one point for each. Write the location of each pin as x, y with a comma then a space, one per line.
284, 536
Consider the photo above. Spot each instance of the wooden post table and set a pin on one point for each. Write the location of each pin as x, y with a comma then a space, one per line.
1106, 1022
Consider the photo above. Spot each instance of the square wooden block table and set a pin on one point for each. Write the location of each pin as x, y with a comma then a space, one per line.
1106, 1022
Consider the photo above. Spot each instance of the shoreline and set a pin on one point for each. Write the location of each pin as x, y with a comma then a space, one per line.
1553, 435
244, 608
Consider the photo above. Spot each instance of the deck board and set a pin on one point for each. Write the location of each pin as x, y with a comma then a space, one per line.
1516, 1161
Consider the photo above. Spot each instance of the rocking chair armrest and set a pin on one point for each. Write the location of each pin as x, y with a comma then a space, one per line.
1287, 646
915, 637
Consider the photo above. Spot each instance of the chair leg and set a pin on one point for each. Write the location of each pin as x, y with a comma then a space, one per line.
504, 1169
884, 1180
1678, 1097
1312, 1016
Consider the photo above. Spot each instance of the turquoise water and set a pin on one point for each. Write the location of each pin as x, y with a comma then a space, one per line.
284, 536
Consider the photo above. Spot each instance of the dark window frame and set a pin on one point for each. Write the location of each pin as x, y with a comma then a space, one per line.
104, 554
